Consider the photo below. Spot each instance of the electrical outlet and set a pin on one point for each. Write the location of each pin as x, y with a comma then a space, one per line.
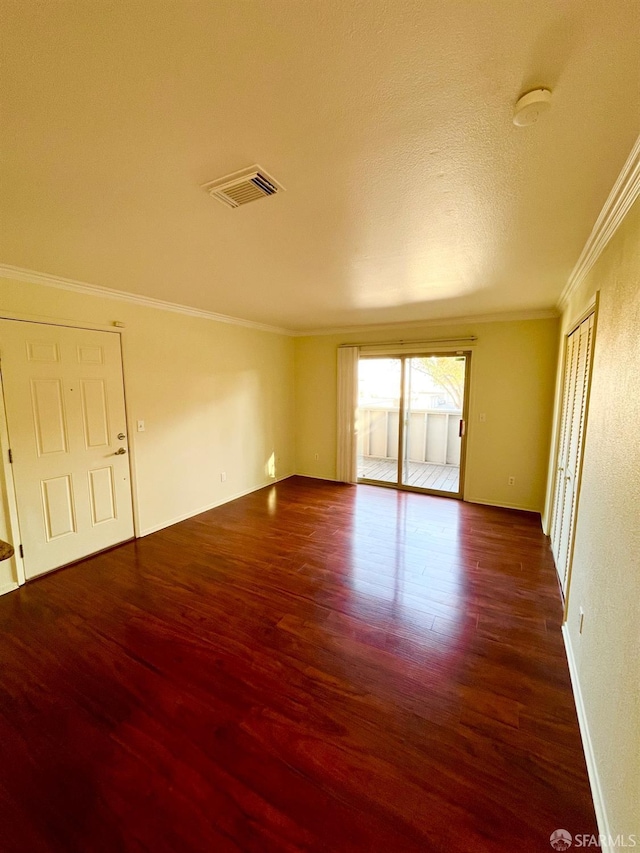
223, 476
512, 481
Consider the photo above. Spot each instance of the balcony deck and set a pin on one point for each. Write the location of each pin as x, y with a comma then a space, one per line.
422, 475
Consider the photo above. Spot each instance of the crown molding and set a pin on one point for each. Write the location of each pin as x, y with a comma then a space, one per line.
621, 198
504, 317
33, 277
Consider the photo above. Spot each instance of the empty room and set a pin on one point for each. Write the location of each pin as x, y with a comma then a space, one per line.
320, 489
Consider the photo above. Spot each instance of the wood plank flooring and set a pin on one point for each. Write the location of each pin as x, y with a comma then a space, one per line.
314, 667
423, 475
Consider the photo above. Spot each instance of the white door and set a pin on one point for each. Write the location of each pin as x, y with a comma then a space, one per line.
65, 411
572, 428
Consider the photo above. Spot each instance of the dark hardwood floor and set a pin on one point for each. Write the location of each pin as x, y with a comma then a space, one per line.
312, 667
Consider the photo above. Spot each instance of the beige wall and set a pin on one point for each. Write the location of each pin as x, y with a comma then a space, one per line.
605, 578
214, 397
512, 381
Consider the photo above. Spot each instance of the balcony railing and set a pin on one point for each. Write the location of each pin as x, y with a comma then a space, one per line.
432, 434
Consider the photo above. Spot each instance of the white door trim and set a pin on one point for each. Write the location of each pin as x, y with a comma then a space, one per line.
72, 324
131, 432
10, 492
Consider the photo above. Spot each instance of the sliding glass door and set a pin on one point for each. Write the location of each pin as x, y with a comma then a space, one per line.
411, 421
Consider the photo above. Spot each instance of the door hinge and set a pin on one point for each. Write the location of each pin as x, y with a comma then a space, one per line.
10, 457
21, 549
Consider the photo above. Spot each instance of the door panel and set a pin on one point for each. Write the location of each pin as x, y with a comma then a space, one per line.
49, 417
65, 408
102, 495
95, 416
58, 507
44, 352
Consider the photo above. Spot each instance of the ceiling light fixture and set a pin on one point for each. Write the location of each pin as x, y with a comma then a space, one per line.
530, 106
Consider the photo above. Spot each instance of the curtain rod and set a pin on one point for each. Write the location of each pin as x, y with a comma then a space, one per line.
468, 339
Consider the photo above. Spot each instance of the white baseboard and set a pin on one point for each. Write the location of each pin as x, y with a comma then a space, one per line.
536, 510
594, 779
8, 587
315, 477
503, 505
154, 529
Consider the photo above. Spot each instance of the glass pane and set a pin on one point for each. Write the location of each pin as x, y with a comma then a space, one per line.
434, 394
378, 418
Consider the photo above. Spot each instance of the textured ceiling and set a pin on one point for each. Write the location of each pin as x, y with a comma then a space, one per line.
410, 193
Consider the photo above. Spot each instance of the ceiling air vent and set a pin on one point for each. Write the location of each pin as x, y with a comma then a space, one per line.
244, 186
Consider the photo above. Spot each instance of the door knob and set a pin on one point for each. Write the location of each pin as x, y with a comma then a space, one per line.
121, 436
120, 451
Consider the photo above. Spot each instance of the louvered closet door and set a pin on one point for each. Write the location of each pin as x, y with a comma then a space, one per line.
572, 426
569, 374
65, 409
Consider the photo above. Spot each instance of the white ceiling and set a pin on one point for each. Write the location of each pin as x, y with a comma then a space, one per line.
410, 193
